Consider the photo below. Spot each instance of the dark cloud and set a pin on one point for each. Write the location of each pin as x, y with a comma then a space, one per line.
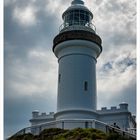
122, 65
107, 66
17, 111
116, 23
22, 71
24, 39
127, 94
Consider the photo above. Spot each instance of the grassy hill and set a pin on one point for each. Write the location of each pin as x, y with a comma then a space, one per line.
75, 134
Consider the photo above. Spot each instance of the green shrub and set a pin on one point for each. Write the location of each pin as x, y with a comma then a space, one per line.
74, 134
115, 136
22, 137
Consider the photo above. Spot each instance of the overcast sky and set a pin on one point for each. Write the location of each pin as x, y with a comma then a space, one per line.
31, 67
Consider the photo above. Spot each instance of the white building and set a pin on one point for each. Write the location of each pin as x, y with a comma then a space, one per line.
77, 48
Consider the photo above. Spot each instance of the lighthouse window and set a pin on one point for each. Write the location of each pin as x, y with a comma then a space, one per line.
85, 85
76, 17
87, 17
82, 16
70, 16
59, 78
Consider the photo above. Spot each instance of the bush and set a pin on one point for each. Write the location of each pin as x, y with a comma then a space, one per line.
22, 137
74, 134
115, 136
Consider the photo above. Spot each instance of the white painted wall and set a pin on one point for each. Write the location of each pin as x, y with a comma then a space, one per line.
77, 65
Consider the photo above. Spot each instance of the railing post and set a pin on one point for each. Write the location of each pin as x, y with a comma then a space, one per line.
86, 124
39, 129
24, 130
106, 129
62, 125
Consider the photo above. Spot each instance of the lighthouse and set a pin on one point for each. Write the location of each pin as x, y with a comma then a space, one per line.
77, 47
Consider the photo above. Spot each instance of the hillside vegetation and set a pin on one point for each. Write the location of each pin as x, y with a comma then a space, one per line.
75, 134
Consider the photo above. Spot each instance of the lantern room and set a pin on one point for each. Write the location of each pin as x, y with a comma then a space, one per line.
77, 14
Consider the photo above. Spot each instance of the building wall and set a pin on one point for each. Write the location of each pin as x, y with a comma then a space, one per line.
41, 118
77, 67
121, 119
121, 116
72, 90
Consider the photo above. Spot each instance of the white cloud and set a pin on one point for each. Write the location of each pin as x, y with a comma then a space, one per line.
38, 76
52, 5
25, 16
115, 74
55, 7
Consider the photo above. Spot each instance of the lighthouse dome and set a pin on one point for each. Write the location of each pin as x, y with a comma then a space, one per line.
77, 2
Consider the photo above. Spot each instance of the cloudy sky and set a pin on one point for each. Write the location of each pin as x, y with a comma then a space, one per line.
31, 67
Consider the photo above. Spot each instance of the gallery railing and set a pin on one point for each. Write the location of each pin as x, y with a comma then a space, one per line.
80, 24
85, 123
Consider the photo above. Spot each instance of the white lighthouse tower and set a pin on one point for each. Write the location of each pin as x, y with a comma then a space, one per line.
77, 47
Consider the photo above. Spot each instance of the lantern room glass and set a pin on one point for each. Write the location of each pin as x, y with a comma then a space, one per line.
77, 17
